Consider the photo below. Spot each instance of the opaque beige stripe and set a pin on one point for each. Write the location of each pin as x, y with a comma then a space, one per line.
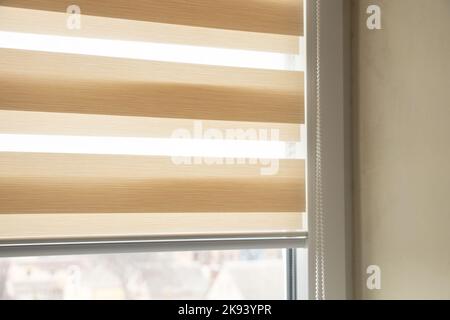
38, 81
63, 226
55, 23
59, 183
98, 195
267, 16
85, 68
48, 123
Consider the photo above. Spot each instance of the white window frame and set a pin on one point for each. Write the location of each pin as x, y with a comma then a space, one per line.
335, 101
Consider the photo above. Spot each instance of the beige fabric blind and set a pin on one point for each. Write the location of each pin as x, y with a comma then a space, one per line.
266, 16
102, 85
49, 89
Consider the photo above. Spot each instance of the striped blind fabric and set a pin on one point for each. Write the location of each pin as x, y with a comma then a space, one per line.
151, 118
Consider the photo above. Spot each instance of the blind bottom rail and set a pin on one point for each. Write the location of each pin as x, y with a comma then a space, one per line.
23, 248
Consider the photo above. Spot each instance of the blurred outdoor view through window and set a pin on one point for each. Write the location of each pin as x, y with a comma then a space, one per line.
238, 274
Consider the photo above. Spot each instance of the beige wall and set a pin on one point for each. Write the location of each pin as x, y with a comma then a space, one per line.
402, 148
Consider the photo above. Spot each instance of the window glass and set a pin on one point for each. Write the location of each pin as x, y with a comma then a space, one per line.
239, 274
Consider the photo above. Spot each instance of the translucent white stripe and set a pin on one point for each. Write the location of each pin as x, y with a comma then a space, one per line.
151, 146
152, 51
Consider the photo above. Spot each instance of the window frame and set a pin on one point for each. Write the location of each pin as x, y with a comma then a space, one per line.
336, 123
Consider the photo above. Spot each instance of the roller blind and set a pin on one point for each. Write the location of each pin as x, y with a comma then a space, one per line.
150, 118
